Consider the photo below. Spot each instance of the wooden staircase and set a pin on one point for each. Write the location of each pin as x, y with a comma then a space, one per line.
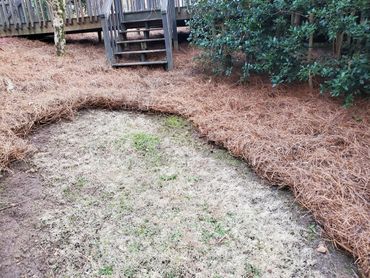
136, 32
139, 38
141, 43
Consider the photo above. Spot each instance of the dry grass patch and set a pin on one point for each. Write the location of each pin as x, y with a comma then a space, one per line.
195, 211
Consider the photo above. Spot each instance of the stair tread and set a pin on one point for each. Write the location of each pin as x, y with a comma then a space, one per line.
142, 20
140, 63
140, 51
141, 40
140, 30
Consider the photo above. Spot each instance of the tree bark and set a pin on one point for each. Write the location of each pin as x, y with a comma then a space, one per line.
338, 44
58, 7
297, 19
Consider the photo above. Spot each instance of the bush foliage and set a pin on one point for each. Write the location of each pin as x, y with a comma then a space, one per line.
317, 40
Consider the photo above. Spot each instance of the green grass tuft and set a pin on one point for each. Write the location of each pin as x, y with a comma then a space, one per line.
312, 232
168, 177
106, 270
129, 272
145, 143
251, 271
175, 122
81, 182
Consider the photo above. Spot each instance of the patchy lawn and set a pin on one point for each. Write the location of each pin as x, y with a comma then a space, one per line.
130, 195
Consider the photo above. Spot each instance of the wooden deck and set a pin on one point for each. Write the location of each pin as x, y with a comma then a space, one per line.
115, 18
34, 17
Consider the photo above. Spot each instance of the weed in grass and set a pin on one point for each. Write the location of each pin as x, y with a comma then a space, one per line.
216, 231
251, 271
219, 230
134, 247
106, 196
172, 274
205, 207
81, 182
206, 236
124, 204
176, 236
230, 215
145, 231
68, 192
145, 143
129, 272
73, 219
175, 122
106, 270
176, 210
102, 147
312, 232
168, 177
193, 179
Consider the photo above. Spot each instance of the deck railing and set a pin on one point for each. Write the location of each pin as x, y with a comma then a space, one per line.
25, 17
149, 5
111, 18
23, 13
86, 11
18, 15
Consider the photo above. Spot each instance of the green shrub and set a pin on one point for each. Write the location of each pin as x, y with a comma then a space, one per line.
273, 38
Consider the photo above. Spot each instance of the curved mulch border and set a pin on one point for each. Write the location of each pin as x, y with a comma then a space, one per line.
308, 143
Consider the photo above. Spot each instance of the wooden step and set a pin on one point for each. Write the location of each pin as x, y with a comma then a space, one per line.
142, 20
140, 30
140, 51
148, 63
141, 40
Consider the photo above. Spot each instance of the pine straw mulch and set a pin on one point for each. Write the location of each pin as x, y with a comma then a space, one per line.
292, 138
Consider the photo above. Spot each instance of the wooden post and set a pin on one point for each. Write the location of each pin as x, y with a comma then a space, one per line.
175, 36
99, 36
167, 35
107, 42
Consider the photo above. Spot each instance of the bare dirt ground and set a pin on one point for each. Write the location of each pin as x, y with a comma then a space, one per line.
123, 194
289, 136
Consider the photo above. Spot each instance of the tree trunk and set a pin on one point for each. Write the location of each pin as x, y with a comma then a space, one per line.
58, 25
338, 44
297, 19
